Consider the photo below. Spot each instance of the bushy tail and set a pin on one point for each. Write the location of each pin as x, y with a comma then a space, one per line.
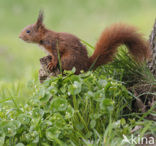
113, 37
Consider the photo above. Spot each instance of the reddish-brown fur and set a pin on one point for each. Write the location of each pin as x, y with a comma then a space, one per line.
74, 54
113, 37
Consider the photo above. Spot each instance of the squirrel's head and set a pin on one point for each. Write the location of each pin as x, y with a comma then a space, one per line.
33, 33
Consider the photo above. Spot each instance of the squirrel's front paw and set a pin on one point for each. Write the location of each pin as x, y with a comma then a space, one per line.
51, 66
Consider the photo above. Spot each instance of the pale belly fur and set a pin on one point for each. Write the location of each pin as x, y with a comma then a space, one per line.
44, 49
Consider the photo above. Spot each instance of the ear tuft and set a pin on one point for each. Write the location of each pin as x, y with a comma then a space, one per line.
40, 19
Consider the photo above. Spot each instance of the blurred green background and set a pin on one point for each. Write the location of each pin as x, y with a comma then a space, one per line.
84, 18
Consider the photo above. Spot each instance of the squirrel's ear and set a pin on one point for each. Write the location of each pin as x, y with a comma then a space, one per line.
39, 22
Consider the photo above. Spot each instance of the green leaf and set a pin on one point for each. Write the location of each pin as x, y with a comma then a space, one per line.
58, 120
92, 123
79, 126
69, 112
107, 102
59, 104
24, 119
37, 113
52, 133
2, 139
8, 127
122, 121
20, 144
75, 88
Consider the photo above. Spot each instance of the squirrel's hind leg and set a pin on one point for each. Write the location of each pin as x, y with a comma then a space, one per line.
69, 61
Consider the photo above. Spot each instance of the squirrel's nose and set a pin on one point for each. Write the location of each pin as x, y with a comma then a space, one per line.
20, 36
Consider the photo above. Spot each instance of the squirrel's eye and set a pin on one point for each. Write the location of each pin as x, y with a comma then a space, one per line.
28, 31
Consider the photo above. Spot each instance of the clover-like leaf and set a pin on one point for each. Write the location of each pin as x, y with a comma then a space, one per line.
59, 104
52, 133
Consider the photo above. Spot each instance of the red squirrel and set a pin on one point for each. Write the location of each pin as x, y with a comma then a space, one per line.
74, 54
